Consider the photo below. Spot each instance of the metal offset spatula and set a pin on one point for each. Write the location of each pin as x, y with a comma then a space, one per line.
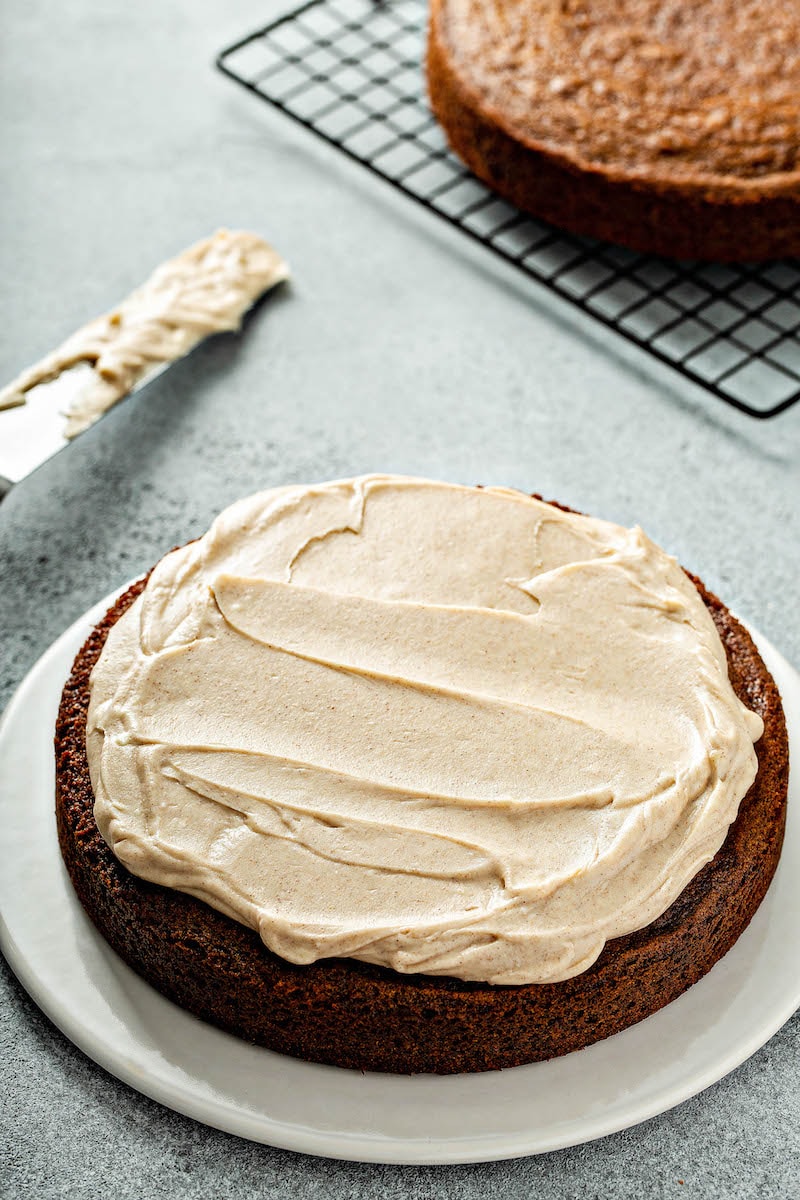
205, 290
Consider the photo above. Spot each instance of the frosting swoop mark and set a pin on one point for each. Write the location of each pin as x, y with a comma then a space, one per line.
448, 730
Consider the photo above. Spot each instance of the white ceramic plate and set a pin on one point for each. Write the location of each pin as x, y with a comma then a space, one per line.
143, 1039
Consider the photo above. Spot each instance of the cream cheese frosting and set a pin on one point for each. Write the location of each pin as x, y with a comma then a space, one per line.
444, 729
206, 289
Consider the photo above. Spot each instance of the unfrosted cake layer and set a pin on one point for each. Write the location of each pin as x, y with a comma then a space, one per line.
665, 126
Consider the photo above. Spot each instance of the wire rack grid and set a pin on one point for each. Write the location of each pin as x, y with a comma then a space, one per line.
351, 71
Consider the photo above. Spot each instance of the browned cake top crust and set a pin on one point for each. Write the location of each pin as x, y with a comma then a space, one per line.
705, 93
354, 1014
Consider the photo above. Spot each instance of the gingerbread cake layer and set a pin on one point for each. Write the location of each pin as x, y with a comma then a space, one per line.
668, 127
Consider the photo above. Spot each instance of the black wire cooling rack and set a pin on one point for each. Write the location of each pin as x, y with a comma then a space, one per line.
350, 70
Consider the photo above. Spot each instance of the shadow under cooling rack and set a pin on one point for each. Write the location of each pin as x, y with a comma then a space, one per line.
350, 71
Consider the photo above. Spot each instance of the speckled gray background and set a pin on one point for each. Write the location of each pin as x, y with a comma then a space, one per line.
398, 347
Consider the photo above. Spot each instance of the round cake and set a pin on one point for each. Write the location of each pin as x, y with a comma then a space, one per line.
666, 126
405, 776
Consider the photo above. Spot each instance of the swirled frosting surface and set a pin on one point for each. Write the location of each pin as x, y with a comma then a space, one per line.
445, 729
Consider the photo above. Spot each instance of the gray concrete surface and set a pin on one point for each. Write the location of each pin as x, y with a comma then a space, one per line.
397, 348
